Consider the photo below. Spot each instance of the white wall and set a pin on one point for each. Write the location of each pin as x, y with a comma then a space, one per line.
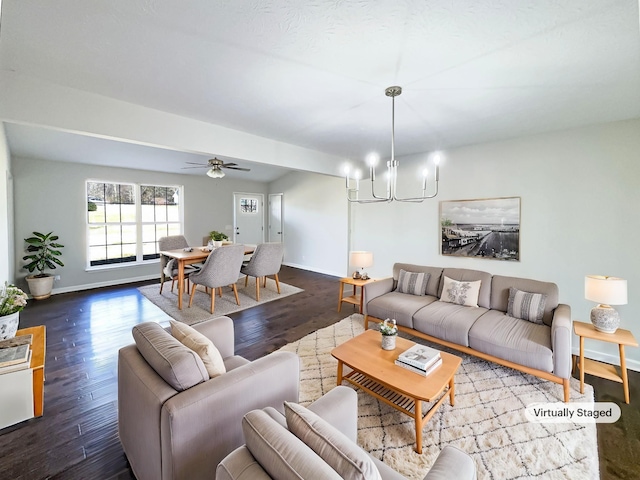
315, 222
6, 211
580, 192
50, 196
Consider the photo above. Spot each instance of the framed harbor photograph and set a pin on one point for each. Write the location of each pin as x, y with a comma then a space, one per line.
484, 228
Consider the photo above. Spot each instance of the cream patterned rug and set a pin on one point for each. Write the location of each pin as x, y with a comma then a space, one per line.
487, 421
199, 311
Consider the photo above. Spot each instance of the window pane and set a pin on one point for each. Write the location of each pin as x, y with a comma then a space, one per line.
173, 213
129, 234
174, 229
112, 213
97, 254
147, 213
161, 231
114, 235
149, 248
128, 213
129, 251
161, 213
97, 236
148, 233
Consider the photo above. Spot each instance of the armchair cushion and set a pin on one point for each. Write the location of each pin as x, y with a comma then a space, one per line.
200, 344
344, 456
178, 365
280, 453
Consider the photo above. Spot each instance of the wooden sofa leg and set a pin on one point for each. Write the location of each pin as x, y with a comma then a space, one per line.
565, 385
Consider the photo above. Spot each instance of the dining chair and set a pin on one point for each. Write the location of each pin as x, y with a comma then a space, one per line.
266, 260
221, 269
173, 242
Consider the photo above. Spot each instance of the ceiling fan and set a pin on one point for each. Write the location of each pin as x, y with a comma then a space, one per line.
215, 167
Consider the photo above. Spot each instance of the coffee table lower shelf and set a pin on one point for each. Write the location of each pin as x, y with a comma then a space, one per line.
407, 405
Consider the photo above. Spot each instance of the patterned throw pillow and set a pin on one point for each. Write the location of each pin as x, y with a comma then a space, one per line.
413, 283
461, 293
526, 306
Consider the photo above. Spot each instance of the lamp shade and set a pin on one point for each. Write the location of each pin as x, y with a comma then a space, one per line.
605, 290
361, 259
215, 173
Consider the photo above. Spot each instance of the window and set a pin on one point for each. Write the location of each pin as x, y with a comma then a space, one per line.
125, 221
249, 205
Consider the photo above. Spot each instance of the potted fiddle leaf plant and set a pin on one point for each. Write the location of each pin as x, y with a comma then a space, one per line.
217, 238
43, 253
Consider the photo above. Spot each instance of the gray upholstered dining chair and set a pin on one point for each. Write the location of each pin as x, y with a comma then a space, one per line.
266, 260
221, 269
173, 242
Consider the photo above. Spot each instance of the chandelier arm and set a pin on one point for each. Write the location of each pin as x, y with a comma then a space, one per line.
418, 199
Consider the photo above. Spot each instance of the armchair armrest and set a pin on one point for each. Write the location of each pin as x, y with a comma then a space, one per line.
339, 407
452, 463
561, 341
220, 331
375, 289
201, 425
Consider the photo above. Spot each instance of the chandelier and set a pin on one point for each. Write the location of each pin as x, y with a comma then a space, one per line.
392, 170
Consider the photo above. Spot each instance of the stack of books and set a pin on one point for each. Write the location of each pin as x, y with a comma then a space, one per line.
420, 359
15, 354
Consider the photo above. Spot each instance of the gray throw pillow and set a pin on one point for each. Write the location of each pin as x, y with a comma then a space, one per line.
178, 365
526, 305
333, 446
413, 283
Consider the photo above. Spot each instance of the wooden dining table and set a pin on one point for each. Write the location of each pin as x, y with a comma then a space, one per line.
190, 256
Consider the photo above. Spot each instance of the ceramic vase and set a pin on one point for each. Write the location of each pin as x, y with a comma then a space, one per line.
389, 342
9, 325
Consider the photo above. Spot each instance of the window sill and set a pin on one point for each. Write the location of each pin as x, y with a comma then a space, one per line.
117, 266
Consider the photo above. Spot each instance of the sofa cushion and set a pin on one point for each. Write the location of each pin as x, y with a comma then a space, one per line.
447, 321
500, 286
413, 283
280, 453
433, 284
200, 344
467, 275
512, 339
178, 365
461, 293
344, 456
526, 306
400, 306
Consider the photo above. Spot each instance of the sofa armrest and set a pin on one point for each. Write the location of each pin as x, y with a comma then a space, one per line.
220, 331
375, 289
561, 341
240, 465
339, 407
452, 463
201, 425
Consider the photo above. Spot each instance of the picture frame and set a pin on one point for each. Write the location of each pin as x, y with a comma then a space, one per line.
481, 228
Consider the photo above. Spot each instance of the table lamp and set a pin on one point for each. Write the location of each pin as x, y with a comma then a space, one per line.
606, 291
361, 260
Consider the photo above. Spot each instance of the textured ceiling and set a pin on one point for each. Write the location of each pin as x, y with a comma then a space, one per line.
313, 73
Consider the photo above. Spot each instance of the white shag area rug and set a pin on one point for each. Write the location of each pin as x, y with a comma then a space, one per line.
488, 420
200, 310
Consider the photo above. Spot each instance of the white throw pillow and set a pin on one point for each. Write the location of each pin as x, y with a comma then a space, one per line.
461, 293
206, 350
526, 306
412, 282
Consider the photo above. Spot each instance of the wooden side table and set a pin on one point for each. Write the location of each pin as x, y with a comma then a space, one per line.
603, 370
355, 299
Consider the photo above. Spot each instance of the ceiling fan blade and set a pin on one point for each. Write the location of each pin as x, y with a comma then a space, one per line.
238, 168
195, 163
199, 166
229, 165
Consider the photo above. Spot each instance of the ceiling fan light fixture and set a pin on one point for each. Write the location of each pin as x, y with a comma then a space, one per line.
215, 173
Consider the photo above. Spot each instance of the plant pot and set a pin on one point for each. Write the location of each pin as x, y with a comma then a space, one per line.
217, 243
9, 325
389, 342
40, 287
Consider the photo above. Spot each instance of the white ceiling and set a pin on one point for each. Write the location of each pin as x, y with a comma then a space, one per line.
313, 73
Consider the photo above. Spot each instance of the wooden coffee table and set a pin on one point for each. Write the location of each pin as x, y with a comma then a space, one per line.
374, 371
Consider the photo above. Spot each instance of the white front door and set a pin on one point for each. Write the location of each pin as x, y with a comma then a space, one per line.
248, 218
275, 217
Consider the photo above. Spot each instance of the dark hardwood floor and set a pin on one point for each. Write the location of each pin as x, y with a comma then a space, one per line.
77, 437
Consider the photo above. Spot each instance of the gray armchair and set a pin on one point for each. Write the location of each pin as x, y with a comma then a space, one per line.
173, 242
273, 452
266, 260
221, 269
176, 423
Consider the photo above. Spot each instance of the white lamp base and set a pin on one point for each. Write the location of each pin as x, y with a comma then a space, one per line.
605, 318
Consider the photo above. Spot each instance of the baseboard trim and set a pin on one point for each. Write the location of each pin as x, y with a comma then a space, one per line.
609, 358
108, 283
310, 269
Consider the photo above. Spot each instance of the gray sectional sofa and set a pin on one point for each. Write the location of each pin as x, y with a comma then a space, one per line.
486, 330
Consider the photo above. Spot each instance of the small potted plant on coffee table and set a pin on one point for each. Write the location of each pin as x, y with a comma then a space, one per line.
389, 331
217, 238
